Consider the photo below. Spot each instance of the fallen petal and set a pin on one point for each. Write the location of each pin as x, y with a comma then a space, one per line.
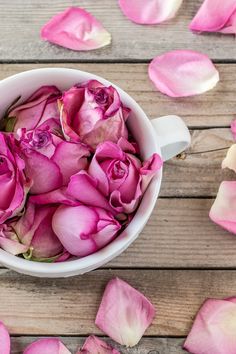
149, 12
214, 329
94, 345
230, 159
223, 211
124, 313
233, 128
76, 29
182, 73
215, 16
47, 346
5, 343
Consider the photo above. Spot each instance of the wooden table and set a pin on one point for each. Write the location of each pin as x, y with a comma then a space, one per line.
180, 258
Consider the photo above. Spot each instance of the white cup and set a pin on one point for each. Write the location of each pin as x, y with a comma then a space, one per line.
167, 136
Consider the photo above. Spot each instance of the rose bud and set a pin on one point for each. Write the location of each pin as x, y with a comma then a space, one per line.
93, 113
13, 182
84, 230
121, 177
50, 161
39, 107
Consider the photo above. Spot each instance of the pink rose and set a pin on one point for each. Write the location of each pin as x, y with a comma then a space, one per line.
32, 234
93, 113
83, 230
117, 178
50, 161
39, 107
13, 182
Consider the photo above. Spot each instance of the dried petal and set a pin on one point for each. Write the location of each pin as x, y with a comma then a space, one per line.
124, 313
149, 12
182, 73
76, 29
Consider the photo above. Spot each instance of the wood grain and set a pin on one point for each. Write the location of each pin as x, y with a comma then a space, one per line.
68, 306
21, 23
146, 346
179, 234
215, 108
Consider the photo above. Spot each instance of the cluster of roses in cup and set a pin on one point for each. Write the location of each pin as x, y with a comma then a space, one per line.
70, 172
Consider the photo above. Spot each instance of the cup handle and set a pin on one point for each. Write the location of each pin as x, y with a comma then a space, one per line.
172, 134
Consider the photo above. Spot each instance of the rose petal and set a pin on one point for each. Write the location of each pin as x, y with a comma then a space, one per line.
150, 12
214, 329
215, 16
58, 196
233, 128
124, 313
4, 340
182, 73
47, 346
94, 345
223, 211
76, 29
230, 159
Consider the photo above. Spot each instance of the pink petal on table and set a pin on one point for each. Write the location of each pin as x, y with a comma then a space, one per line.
5, 343
47, 346
214, 328
215, 16
182, 73
149, 12
124, 313
94, 345
230, 159
76, 29
233, 128
223, 211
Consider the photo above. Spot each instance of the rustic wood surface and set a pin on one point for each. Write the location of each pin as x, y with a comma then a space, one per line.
181, 257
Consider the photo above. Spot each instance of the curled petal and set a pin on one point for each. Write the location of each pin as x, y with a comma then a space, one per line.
215, 16
76, 29
214, 328
150, 12
230, 159
124, 313
183, 73
94, 345
4, 340
47, 346
223, 211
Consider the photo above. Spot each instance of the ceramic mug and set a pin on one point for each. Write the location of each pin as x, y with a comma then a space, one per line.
167, 136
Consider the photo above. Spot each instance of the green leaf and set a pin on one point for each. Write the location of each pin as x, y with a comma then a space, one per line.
10, 124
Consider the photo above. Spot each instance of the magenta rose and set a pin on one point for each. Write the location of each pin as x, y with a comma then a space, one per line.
117, 179
39, 107
93, 113
50, 161
13, 182
32, 234
84, 230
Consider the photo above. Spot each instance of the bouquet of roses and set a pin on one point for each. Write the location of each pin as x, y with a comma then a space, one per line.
71, 176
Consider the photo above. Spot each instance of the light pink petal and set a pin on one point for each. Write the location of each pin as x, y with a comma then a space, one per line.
71, 158
76, 29
215, 16
12, 246
149, 169
233, 128
182, 73
124, 313
94, 345
151, 11
214, 329
230, 159
4, 340
47, 346
223, 211
58, 196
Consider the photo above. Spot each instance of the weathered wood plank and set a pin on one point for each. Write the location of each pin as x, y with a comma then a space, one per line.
180, 234
146, 345
21, 22
215, 108
68, 306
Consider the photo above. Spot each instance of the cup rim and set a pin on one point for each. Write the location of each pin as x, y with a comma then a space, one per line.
119, 244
